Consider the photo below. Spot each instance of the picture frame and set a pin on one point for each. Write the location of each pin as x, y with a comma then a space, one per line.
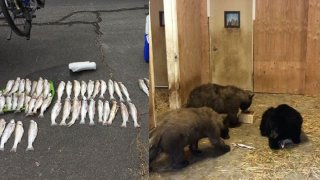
232, 19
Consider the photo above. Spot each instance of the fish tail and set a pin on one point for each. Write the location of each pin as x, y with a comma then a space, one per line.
54, 124
63, 123
30, 148
13, 149
91, 123
136, 125
41, 115
124, 125
82, 121
1, 148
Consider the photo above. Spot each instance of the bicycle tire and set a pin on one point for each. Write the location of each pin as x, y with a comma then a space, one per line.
27, 24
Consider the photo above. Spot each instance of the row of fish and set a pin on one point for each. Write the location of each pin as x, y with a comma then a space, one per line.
28, 87
12, 126
79, 110
91, 89
144, 85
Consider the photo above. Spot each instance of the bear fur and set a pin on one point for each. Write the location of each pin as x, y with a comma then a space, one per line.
222, 99
280, 123
185, 127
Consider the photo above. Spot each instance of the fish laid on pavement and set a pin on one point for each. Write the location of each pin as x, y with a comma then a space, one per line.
66, 111
96, 89
39, 88
46, 103
84, 110
2, 126
15, 101
134, 114
76, 89
83, 89
55, 112
26, 103
46, 88
92, 109
147, 82
103, 89
2, 103
9, 102
111, 89
31, 106
37, 104
118, 91
15, 86
9, 86
100, 111
20, 104
69, 89
7, 133
33, 88
106, 111
143, 87
113, 112
21, 86
76, 108
17, 136
124, 90
28, 86
90, 88
60, 90
32, 134
124, 114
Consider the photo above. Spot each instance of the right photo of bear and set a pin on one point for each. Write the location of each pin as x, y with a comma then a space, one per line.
281, 125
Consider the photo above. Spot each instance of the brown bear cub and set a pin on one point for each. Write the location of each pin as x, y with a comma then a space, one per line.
185, 127
222, 99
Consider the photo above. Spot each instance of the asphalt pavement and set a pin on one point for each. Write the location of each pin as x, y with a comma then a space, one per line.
108, 32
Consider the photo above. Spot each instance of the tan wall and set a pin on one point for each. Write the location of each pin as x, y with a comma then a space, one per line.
159, 44
231, 48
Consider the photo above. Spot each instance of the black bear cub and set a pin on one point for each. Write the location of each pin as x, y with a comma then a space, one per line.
185, 127
222, 99
280, 123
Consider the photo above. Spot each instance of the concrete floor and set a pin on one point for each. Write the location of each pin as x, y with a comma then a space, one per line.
108, 32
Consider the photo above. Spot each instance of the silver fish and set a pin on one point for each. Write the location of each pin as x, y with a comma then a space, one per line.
39, 88
7, 133
106, 111
83, 89
103, 88
100, 111
32, 134
17, 136
76, 89
124, 114
113, 112
31, 105
66, 112
14, 101
146, 80
26, 103
55, 112
15, 87
84, 110
21, 86
96, 89
9, 102
46, 103
46, 88
143, 87
37, 104
92, 109
28, 86
124, 90
60, 90
111, 89
90, 88
20, 102
69, 89
76, 108
2, 103
33, 88
8, 87
134, 114
2, 126
118, 91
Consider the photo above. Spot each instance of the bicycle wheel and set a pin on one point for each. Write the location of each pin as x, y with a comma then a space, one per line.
17, 17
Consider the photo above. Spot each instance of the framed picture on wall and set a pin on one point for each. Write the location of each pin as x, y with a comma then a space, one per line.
232, 19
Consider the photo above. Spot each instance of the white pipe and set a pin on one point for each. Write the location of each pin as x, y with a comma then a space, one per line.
80, 66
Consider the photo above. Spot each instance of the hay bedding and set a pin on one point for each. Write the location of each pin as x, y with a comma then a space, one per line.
295, 162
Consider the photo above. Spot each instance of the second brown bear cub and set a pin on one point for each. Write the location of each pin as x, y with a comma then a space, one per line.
185, 127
